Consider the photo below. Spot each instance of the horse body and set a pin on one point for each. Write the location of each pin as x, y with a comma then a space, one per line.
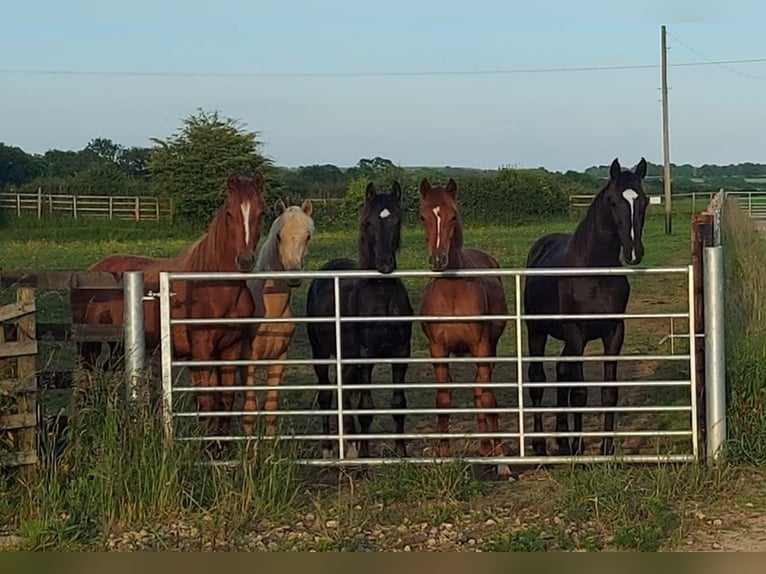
456, 296
379, 241
613, 225
284, 249
227, 246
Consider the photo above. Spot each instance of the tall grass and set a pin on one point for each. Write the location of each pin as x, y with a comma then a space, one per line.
116, 472
745, 308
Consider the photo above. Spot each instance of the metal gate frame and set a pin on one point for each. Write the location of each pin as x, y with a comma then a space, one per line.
516, 317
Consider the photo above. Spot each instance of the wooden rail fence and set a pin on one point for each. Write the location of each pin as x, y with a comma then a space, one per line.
18, 381
130, 208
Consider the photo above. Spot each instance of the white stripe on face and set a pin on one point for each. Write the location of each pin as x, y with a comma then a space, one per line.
245, 207
438, 226
630, 196
385, 213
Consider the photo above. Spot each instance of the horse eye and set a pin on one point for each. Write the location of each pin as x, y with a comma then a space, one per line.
279, 237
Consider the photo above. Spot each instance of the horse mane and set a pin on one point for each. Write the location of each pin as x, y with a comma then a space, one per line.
202, 255
268, 250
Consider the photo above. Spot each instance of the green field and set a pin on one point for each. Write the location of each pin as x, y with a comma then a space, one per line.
113, 488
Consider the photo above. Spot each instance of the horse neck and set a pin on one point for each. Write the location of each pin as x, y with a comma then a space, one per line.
212, 252
595, 241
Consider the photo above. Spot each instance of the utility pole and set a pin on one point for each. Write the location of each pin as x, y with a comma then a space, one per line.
666, 137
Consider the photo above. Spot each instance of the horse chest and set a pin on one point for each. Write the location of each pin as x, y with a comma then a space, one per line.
595, 295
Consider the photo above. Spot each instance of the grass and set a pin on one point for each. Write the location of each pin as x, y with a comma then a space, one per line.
115, 474
745, 311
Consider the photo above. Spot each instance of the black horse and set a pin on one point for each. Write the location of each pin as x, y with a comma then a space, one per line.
611, 228
379, 241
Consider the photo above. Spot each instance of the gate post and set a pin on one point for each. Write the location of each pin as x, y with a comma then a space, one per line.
133, 311
715, 352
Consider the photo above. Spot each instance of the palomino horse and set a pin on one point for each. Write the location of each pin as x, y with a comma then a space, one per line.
612, 226
379, 241
284, 249
455, 296
228, 246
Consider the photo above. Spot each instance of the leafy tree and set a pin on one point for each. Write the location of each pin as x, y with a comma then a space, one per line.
191, 165
16, 166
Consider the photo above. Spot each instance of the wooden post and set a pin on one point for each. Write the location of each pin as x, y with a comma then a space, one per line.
111, 207
702, 235
39, 203
27, 373
18, 204
138, 209
50, 204
74, 206
157, 208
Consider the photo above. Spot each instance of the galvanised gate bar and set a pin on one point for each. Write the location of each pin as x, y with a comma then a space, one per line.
676, 441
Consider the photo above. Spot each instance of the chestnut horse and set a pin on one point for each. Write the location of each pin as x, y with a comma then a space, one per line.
455, 296
227, 246
284, 249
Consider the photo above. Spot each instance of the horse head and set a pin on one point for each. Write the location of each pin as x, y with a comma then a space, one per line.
243, 209
381, 222
441, 221
292, 230
628, 203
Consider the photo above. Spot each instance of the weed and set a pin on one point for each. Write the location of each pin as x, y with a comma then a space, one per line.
528, 539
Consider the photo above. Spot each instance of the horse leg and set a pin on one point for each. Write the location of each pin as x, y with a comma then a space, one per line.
251, 400
271, 404
228, 378
575, 396
443, 394
612, 346
324, 399
536, 373
365, 402
399, 401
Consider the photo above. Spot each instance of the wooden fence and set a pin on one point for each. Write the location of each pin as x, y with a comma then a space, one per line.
130, 208
18, 381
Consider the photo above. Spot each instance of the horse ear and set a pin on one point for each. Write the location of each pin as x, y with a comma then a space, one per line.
396, 191
307, 207
452, 187
425, 186
369, 193
641, 168
615, 170
279, 207
258, 181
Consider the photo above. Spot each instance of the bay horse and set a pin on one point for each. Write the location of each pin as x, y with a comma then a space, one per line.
455, 296
284, 249
379, 242
228, 246
612, 228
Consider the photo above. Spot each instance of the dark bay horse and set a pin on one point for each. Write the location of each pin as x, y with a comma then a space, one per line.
611, 228
228, 245
379, 242
455, 296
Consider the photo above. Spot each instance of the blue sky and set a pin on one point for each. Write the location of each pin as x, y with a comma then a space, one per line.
334, 81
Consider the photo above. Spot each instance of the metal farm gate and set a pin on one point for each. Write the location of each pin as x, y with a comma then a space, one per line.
657, 416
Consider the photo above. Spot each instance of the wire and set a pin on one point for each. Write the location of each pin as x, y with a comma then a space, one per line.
708, 62
721, 64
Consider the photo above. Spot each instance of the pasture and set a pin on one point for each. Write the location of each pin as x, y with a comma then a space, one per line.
112, 489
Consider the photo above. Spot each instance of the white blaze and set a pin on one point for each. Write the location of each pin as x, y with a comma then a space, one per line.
630, 196
438, 226
245, 207
385, 213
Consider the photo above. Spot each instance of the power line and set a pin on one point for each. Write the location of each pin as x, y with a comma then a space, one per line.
707, 62
721, 64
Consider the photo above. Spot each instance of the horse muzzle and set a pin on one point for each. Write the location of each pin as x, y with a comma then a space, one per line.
438, 261
294, 282
245, 263
385, 266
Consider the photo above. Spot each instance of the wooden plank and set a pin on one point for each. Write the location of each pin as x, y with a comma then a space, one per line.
18, 349
19, 421
14, 311
26, 369
19, 458
94, 333
62, 279
12, 386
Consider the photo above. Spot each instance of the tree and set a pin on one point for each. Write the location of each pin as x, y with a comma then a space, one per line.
191, 165
16, 166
